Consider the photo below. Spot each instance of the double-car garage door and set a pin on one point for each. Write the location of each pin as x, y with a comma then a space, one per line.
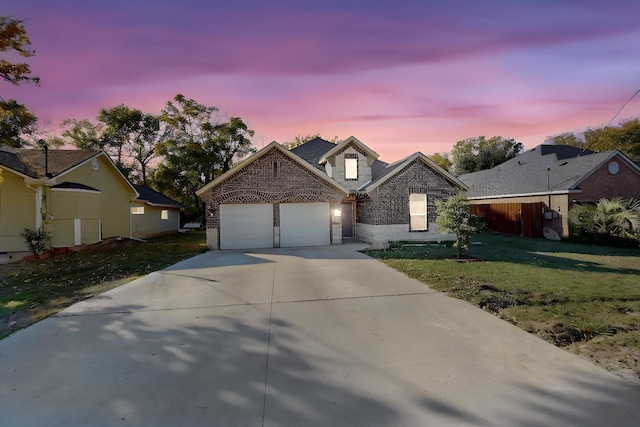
246, 226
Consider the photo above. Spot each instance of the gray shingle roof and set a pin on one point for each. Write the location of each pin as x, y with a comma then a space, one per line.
10, 160
543, 169
153, 197
313, 150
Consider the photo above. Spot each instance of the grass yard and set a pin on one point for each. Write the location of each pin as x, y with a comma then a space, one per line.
585, 299
33, 290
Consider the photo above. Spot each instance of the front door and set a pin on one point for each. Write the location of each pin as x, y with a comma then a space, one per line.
347, 219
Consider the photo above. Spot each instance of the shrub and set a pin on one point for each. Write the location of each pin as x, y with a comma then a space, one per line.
36, 240
614, 222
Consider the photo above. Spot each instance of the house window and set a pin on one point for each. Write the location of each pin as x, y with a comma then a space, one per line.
350, 166
137, 210
418, 211
164, 214
275, 168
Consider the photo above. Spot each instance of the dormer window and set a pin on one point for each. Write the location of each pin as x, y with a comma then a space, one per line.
350, 166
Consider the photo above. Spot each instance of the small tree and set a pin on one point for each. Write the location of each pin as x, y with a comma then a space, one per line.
454, 216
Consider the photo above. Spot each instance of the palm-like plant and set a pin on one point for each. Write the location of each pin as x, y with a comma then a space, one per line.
608, 218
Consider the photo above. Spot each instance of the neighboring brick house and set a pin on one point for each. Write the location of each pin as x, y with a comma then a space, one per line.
532, 193
320, 192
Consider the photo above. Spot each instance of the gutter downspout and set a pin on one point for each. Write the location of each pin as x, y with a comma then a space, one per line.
38, 207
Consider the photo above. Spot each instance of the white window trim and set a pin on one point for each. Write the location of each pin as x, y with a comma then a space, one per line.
424, 215
351, 168
164, 214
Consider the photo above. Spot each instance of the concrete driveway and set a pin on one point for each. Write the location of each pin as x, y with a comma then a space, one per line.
305, 337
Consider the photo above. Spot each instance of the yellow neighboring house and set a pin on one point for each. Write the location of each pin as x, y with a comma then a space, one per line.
78, 196
153, 213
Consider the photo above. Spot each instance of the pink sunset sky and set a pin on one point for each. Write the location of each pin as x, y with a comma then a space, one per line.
401, 76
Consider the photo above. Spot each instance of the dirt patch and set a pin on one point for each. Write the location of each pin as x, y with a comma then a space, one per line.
465, 258
624, 362
116, 242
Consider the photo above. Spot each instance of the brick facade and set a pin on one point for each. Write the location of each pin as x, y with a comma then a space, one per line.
273, 178
602, 184
388, 203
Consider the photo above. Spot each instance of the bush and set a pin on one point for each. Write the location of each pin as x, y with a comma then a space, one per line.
614, 222
36, 240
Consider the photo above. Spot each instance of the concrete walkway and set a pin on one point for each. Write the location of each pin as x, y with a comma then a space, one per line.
305, 337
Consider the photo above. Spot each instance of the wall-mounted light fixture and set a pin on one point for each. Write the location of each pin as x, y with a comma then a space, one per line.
337, 213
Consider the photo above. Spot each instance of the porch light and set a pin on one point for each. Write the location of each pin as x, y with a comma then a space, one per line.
337, 213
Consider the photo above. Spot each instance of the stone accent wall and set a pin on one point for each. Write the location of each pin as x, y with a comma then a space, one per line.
260, 183
364, 167
384, 234
388, 203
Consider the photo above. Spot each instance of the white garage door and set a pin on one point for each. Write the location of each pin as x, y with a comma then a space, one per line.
245, 226
304, 224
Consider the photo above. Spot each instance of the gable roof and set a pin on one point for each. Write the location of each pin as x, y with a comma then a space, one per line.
317, 151
32, 163
313, 150
544, 169
59, 161
387, 172
153, 198
273, 146
342, 144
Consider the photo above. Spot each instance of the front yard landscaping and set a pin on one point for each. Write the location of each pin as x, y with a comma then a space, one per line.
585, 299
33, 290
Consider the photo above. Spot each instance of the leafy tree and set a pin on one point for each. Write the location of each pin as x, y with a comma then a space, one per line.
454, 216
128, 135
15, 122
15, 119
142, 147
608, 219
624, 137
567, 138
84, 134
441, 160
479, 153
14, 39
196, 150
231, 139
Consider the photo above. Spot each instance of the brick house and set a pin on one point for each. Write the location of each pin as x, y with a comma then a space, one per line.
532, 193
319, 192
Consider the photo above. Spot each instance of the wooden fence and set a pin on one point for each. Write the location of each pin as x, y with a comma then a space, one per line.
521, 219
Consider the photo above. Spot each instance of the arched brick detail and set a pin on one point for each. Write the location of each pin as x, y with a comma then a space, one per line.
262, 182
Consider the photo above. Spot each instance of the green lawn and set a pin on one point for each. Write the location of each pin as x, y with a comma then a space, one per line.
33, 290
582, 298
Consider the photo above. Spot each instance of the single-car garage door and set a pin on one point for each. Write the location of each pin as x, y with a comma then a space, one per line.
304, 224
245, 226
